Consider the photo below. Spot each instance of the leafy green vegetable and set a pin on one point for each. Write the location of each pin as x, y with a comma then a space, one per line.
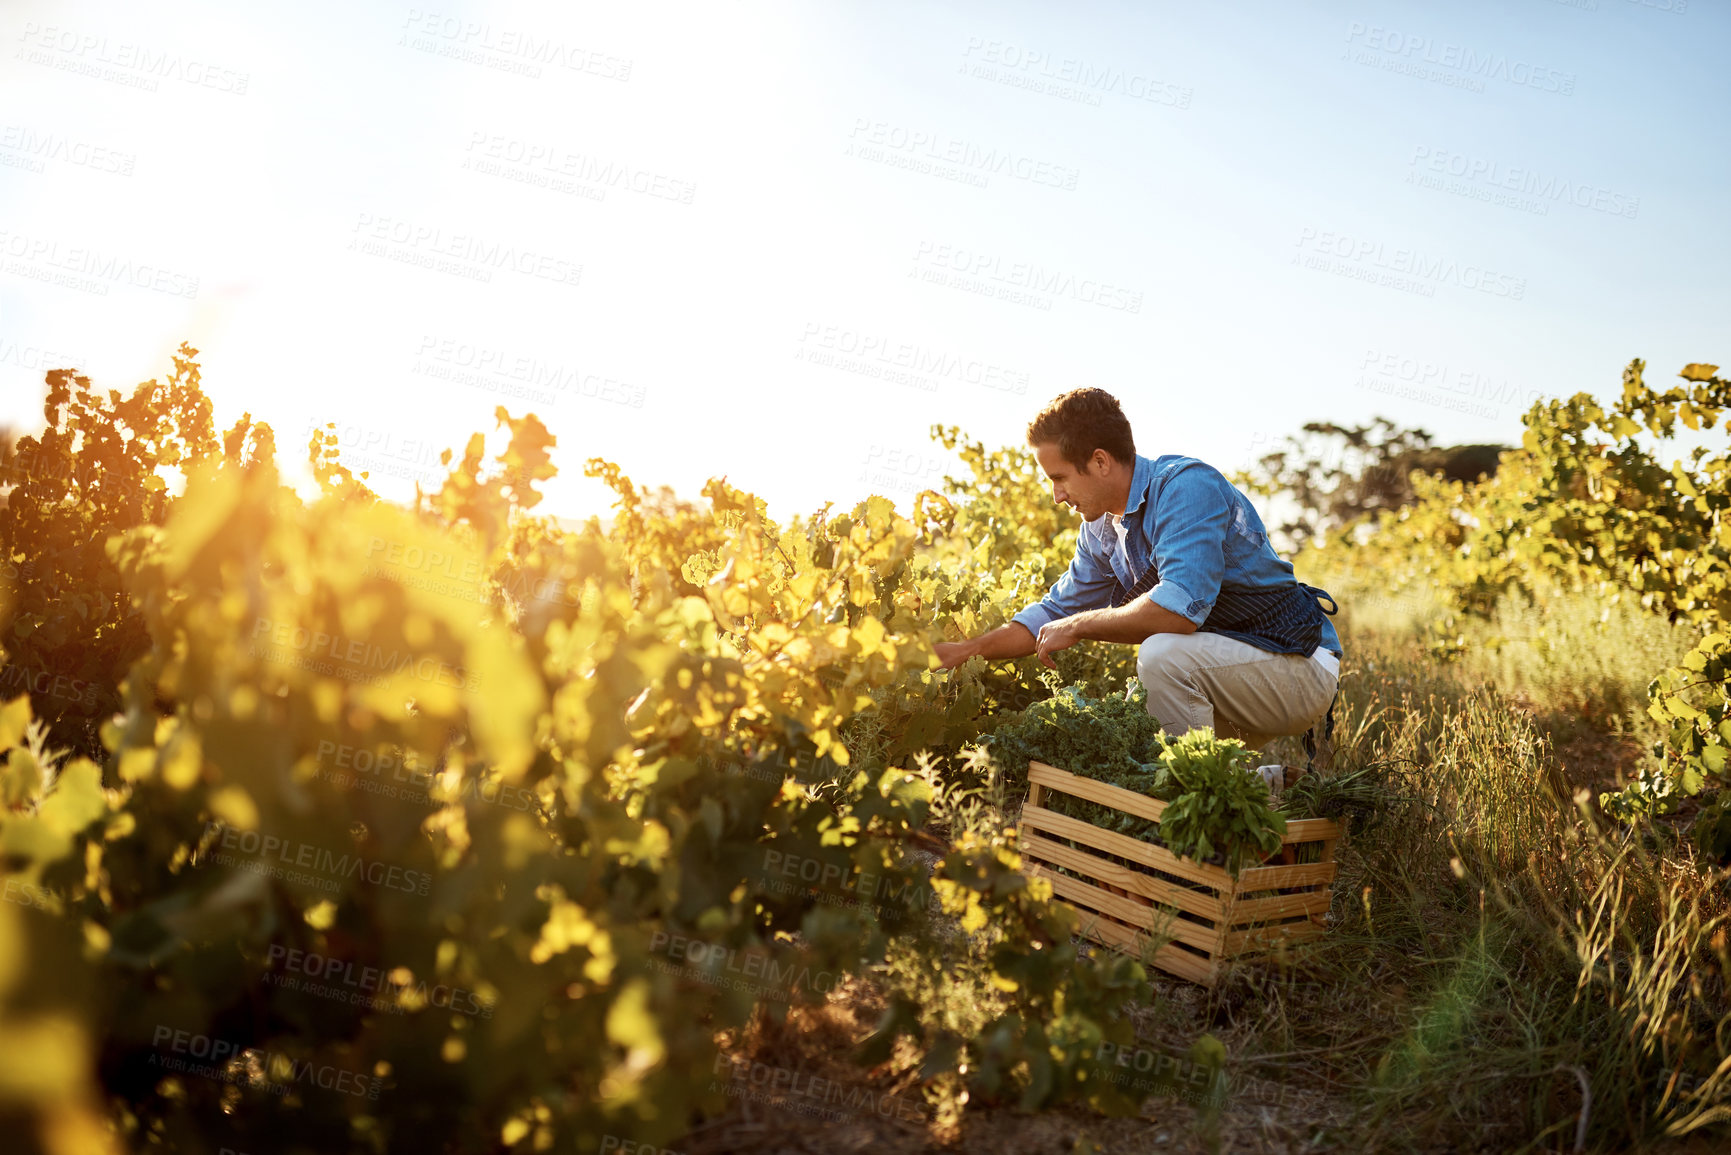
1113, 739
1223, 804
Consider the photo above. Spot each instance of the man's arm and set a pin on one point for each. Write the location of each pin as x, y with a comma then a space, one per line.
1011, 640
1194, 513
1088, 582
1133, 623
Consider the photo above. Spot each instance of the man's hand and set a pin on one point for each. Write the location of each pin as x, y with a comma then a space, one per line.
953, 654
1055, 636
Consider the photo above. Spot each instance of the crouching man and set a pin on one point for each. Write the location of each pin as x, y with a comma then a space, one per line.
1172, 558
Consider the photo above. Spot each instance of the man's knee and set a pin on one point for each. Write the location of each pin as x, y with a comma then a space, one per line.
1161, 658
1166, 667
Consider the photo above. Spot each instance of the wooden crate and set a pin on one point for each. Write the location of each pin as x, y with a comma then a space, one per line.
1139, 893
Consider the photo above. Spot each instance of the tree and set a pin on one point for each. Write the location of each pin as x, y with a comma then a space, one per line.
1331, 475
102, 464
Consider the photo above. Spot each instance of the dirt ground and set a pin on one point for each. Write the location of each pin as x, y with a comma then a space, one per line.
1262, 1115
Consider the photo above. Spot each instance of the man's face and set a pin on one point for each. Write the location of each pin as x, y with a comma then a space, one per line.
1084, 490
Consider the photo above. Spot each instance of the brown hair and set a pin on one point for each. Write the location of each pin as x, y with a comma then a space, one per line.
1082, 421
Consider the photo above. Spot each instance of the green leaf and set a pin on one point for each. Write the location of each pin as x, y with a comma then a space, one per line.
1678, 708
14, 721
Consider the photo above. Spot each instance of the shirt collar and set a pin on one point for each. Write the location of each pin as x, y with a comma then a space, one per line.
1140, 479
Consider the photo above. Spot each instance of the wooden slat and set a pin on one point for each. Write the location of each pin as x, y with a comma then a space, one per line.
1275, 877
1264, 938
1311, 830
1158, 857
1041, 774
1203, 904
1095, 791
1133, 912
1170, 958
1278, 907
1327, 856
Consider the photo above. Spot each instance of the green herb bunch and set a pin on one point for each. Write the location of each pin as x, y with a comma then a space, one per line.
1217, 802
1360, 795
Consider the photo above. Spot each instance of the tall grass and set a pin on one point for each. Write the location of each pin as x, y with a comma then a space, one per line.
1567, 653
1577, 654
1506, 969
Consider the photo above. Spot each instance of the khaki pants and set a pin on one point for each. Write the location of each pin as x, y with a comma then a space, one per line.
1241, 691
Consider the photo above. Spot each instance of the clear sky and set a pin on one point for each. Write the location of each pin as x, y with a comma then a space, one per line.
779, 241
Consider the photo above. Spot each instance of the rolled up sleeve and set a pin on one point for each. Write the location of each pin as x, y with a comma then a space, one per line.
1189, 541
1086, 585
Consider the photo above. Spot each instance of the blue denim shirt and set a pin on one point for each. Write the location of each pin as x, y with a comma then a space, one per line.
1202, 533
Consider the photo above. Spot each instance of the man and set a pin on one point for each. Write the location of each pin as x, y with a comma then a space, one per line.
1173, 558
